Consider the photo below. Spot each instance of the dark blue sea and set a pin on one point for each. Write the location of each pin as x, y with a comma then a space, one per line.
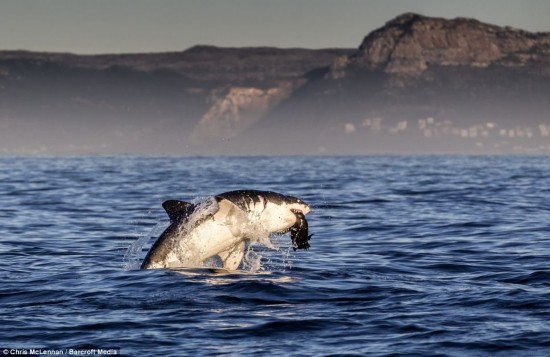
427, 255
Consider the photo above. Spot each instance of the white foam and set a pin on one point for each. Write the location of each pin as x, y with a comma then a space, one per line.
133, 256
204, 207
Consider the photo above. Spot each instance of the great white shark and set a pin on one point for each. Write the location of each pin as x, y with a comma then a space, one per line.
221, 225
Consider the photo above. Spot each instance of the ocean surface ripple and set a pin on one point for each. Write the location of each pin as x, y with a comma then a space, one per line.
428, 255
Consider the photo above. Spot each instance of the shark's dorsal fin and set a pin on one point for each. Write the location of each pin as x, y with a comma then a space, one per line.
176, 209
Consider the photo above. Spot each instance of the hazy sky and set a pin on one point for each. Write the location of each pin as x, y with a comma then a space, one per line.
101, 26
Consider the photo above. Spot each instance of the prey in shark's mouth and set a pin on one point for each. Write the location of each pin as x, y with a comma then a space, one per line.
299, 231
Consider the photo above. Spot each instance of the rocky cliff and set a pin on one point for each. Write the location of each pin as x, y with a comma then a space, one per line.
411, 43
234, 109
143, 102
421, 84
416, 84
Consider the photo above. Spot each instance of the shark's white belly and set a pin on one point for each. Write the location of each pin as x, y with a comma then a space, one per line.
208, 239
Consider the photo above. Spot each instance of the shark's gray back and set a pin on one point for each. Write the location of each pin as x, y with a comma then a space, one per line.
244, 199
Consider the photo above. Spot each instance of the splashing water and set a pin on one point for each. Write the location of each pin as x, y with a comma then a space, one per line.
205, 207
133, 256
273, 256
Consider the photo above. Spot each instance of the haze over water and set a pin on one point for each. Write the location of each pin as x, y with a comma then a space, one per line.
431, 255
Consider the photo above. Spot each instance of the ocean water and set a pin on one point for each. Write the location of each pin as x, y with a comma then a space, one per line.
428, 255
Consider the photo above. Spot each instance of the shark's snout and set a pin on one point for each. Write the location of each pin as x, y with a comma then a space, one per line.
300, 207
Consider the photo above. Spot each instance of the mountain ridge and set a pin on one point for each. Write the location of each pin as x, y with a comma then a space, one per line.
416, 84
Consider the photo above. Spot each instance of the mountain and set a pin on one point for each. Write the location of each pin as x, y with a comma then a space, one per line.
421, 84
416, 85
146, 103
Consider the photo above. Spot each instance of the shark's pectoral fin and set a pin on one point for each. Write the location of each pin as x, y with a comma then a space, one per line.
231, 258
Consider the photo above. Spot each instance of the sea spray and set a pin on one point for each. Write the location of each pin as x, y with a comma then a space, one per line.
133, 256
